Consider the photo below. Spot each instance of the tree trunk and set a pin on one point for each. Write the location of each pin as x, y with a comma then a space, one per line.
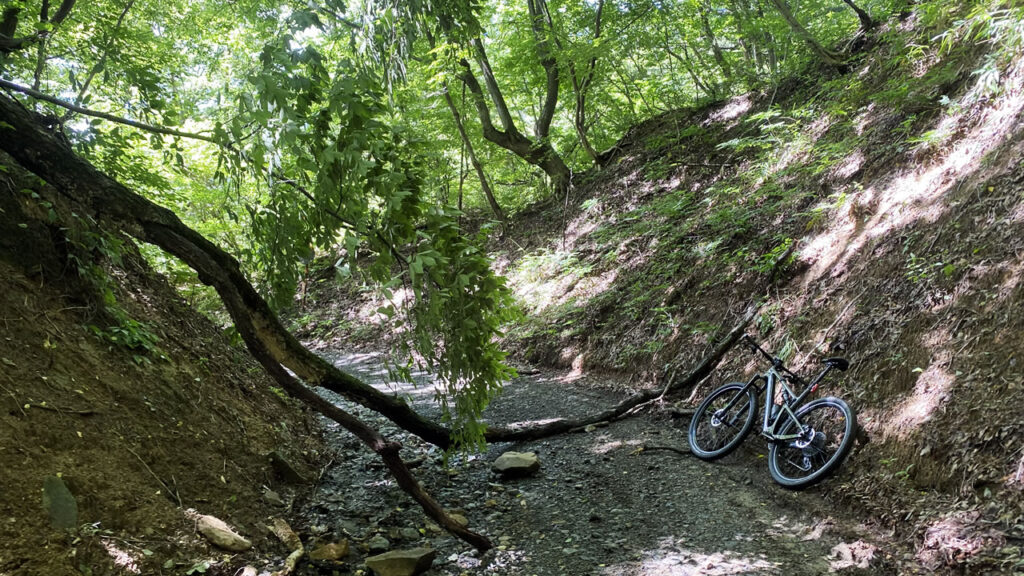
9, 25
716, 50
688, 66
540, 153
112, 205
537, 152
581, 86
866, 22
538, 15
484, 185
827, 56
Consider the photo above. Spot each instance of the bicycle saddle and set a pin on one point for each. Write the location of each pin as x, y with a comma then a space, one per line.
841, 363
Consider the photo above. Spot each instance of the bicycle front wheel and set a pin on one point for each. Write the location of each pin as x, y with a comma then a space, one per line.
722, 420
826, 432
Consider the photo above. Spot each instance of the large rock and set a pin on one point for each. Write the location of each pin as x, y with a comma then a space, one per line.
60, 504
221, 535
402, 562
516, 464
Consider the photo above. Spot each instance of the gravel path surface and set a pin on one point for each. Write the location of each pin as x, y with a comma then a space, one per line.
600, 504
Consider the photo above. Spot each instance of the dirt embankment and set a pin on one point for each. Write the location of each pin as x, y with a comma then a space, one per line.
140, 407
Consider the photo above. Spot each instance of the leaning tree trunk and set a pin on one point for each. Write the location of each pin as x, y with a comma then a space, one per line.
262, 331
537, 151
826, 55
866, 22
485, 186
107, 201
716, 50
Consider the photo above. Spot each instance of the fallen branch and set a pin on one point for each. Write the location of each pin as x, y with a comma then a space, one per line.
86, 412
89, 191
706, 365
155, 477
388, 452
289, 538
104, 115
682, 412
645, 448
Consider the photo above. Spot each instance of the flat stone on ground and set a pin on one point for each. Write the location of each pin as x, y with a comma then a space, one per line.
379, 544
402, 562
331, 551
516, 464
221, 535
60, 504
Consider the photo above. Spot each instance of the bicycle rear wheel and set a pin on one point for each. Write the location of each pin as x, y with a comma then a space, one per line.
826, 439
717, 428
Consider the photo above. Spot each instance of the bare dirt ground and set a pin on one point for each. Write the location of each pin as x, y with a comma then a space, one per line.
605, 502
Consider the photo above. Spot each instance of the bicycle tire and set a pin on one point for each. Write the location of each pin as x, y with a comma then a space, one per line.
834, 424
712, 437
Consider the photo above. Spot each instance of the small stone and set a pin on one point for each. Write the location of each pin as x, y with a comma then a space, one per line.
402, 562
272, 498
409, 534
516, 464
379, 544
332, 551
459, 519
284, 469
59, 504
221, 535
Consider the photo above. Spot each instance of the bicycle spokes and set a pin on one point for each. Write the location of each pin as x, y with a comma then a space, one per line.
820, 439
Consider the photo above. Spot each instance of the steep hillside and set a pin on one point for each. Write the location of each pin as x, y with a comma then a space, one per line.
905, 215
875, 213
138, 404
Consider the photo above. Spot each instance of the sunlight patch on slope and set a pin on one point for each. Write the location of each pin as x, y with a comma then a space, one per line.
931, 390
917, 193
542, 278
122, 558
733, 109
849, 166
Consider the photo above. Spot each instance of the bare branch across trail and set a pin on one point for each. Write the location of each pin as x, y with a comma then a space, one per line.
104, 115
706, 365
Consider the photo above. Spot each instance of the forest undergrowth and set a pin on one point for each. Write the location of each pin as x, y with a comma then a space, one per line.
898, 186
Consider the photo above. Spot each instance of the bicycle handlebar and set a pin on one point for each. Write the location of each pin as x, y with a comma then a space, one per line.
776, 362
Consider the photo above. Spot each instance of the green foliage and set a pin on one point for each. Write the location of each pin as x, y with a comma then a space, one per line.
89, 249
353, 180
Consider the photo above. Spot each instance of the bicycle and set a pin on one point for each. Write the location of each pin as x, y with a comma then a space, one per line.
807, 441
